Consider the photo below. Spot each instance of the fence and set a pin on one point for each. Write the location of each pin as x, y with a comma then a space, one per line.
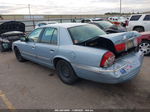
30, 24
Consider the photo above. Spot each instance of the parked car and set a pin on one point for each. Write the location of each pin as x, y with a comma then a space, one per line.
139, 22
118, 20
145, 43
79, 50
89, 20
108, 27
9, 32
42, 23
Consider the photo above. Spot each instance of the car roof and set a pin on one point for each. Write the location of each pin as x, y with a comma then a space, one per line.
140, 14
65, 25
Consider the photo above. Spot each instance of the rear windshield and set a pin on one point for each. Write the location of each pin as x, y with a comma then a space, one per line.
83, 33
135, 18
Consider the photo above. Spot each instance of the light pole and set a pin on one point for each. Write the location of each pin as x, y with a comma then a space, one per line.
29, 10
120, 7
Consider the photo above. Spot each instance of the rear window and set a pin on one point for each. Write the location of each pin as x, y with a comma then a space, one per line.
84, 32
147, 18
135, 18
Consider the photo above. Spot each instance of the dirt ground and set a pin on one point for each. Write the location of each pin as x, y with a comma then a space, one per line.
30, 86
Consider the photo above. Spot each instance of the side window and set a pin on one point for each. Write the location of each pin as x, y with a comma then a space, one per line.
135, 18
147, 18
47, 35
34, 36
54, 37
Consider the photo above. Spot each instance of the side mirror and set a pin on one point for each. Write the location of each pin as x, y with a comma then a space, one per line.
23, 39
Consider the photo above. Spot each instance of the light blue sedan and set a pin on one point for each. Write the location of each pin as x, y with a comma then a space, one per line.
80, 50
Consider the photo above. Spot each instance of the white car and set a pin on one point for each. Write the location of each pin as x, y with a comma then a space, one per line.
42, 23
139, 22
117, 20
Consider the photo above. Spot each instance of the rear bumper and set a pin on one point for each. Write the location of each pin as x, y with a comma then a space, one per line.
123, 70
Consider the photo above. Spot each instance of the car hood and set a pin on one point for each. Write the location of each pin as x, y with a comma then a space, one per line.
12, 26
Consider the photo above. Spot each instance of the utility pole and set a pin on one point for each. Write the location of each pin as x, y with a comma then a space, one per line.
31, 17
120, 7
29, 10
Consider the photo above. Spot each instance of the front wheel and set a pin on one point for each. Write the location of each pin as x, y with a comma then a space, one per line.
145, 47
66, 72
18, 55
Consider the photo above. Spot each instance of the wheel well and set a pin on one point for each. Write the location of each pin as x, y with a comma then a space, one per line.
15, 47
138, 27
145, 40
56, 60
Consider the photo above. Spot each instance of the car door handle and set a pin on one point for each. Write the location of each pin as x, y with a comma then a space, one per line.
33, 47
52, 50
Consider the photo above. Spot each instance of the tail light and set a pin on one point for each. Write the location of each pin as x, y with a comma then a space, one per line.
120, 47
108, 59
139, 40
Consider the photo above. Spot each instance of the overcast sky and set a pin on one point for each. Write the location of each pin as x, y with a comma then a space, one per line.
72, 6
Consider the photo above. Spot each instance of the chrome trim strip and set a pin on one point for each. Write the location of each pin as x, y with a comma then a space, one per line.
41, 57
96, 69
27, 53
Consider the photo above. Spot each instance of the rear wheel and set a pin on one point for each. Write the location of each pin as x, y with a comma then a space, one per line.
18, 55
66, 72
145, 47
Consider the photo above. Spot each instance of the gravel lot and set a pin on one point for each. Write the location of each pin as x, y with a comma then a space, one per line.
30, 86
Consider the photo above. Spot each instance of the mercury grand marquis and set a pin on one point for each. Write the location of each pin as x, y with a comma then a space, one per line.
80, 50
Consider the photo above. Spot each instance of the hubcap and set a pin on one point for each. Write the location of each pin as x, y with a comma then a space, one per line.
65, 71
145, 48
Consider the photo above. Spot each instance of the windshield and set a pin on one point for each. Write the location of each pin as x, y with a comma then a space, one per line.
105, 24
83, 33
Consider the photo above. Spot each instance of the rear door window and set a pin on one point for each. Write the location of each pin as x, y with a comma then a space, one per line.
135, 18
147, 18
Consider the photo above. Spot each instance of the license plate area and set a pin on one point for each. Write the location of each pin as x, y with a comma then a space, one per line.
130, 44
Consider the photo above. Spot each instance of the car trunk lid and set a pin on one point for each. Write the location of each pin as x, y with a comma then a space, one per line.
118, 43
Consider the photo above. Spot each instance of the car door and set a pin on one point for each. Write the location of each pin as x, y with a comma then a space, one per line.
48, 46
147, 22
29, 47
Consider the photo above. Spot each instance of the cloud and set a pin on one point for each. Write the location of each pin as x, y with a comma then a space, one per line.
72, 6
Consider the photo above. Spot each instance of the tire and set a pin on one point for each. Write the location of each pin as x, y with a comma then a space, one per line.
1, 48
145, 47
66, 72
139, 29
18, 55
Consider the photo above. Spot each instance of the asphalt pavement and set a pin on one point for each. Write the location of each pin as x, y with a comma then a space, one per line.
31, 86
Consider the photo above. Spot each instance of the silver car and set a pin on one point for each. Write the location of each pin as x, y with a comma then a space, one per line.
80, 50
